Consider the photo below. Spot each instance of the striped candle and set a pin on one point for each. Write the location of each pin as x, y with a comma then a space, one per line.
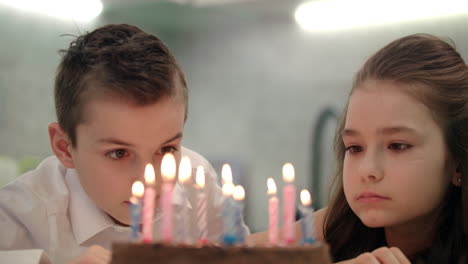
289, 206
148, 204
201, 206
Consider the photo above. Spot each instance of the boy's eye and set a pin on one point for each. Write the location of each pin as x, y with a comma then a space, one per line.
354, 149
168, 149
399, 146
118, 154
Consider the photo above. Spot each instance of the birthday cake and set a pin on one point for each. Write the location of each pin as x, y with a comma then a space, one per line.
127, 253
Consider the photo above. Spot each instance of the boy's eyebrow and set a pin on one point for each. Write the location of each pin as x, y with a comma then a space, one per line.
177, 136
114, 141
120, 142
384, 131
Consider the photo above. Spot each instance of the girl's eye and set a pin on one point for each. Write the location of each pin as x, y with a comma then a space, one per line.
117, 154
399, 146
168, 149
354, 149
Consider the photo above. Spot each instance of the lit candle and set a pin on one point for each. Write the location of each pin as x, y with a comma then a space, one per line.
148, 204
229, 236
135, 209
272, 213
226, 174
168, 172
239, 195
289, 198
185, 173
307, 222
201, 208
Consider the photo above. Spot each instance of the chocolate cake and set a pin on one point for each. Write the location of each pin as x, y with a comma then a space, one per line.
127, 253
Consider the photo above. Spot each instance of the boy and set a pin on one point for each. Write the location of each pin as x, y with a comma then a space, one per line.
121, 102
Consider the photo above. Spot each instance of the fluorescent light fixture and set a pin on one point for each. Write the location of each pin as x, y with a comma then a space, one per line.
325, 15
77, 10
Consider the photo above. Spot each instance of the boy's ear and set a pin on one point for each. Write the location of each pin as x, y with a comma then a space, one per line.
60, 144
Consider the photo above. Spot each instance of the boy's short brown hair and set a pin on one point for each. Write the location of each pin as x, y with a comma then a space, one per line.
122, 60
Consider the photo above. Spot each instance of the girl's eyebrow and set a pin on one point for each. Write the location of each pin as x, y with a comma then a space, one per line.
397, 129
383, 131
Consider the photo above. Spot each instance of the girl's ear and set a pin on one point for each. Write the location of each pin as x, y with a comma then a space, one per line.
60, 144
457, 176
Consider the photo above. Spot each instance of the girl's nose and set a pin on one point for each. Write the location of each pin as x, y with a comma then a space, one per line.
371, 167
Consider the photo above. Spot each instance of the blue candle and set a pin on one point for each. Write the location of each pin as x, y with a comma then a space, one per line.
135, 209
307, 221
229, 211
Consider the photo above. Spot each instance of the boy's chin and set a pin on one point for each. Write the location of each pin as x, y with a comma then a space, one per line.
121, 222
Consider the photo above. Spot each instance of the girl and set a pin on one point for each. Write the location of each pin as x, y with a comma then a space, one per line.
400, 185
402, 153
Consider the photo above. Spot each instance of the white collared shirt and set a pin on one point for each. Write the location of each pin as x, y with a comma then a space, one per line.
48, 209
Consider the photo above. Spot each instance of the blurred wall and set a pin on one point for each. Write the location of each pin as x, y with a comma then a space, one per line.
257, 82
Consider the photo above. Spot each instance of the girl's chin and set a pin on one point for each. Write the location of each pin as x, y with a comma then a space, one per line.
372, 221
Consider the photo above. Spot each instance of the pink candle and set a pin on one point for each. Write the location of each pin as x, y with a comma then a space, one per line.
289, 198
201, 207
272, 213
148, 204
168, 171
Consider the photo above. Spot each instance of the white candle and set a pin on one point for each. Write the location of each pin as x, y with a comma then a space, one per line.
272, 213
229, 236
185, 174
201, 208
148, 204
239, 196
289, 208
168, 171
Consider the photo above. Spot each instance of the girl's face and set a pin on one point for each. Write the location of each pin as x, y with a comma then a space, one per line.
395, 171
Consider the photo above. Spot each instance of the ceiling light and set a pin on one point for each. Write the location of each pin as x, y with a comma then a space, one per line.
77, 10
342, 14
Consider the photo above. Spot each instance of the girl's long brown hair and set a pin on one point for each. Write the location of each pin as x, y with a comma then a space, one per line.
438, 77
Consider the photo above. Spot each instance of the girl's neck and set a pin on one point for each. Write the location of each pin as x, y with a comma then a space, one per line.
412, 237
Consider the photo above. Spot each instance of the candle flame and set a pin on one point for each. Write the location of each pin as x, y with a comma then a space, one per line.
271, 185
305, 198
228, 189
226, 173
288, 172
239, 193
185, 170
200, 177
168, 167
137, 189
149, 174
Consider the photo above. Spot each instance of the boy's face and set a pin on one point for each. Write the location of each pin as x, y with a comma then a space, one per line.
395, 172
115, 142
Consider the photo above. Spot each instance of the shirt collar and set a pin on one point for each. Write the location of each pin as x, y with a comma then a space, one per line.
87, 219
